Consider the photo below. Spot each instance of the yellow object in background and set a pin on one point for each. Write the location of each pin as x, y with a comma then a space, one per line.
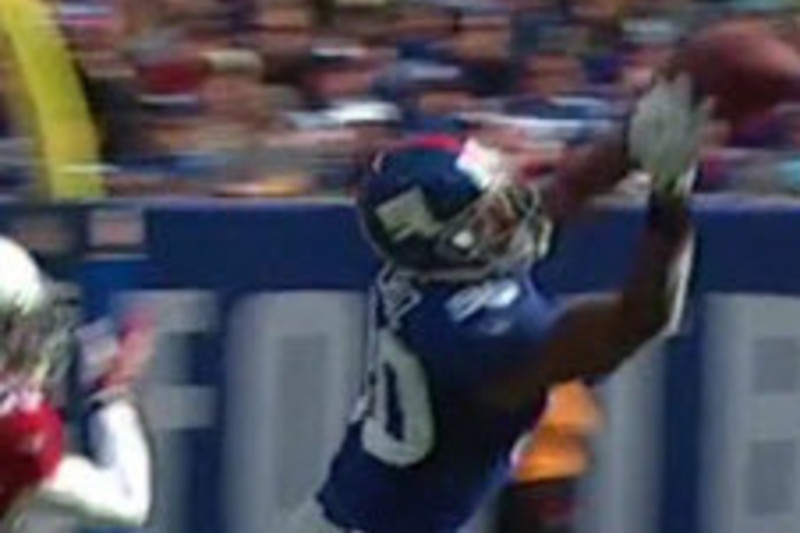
558, 448
50, 102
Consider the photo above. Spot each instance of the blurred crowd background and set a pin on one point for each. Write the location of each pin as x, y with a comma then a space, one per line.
285, 97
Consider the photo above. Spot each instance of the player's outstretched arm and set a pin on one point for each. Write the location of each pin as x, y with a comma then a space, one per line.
115, 487
603, 332
593, 336
587, 173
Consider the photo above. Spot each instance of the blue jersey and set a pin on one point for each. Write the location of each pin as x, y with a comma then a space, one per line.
424, 450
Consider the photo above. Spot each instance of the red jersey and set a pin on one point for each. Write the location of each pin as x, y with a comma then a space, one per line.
31, 441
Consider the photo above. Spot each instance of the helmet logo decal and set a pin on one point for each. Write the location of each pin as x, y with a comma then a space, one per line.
407, 215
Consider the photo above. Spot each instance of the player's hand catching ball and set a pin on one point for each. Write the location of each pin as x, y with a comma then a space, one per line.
664, 134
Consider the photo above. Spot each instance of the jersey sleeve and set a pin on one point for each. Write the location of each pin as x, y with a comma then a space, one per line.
115, 490
480, 334
31, 447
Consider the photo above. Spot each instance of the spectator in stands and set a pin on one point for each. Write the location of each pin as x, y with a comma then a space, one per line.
481, 47
419, 30
338, 76
283, 34
549, 74
97, 34
235, 113
433, 105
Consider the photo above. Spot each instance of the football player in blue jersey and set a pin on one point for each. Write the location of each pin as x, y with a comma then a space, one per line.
464, 347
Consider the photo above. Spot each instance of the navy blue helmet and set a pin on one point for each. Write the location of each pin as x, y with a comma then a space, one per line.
441, 207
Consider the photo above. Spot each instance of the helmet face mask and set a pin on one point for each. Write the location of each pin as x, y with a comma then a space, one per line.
36, 344
504, 229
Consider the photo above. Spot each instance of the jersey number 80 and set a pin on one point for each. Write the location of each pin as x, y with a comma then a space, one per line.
398, 427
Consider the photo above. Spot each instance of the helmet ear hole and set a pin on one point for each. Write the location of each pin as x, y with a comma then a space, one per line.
463, 240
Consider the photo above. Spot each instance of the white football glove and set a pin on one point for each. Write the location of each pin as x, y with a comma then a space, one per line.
665, 132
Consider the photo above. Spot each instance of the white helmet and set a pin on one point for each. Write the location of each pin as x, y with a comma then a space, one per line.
22, 286
33, 332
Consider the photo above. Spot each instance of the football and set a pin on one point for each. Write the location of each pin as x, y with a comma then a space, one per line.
746, 66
